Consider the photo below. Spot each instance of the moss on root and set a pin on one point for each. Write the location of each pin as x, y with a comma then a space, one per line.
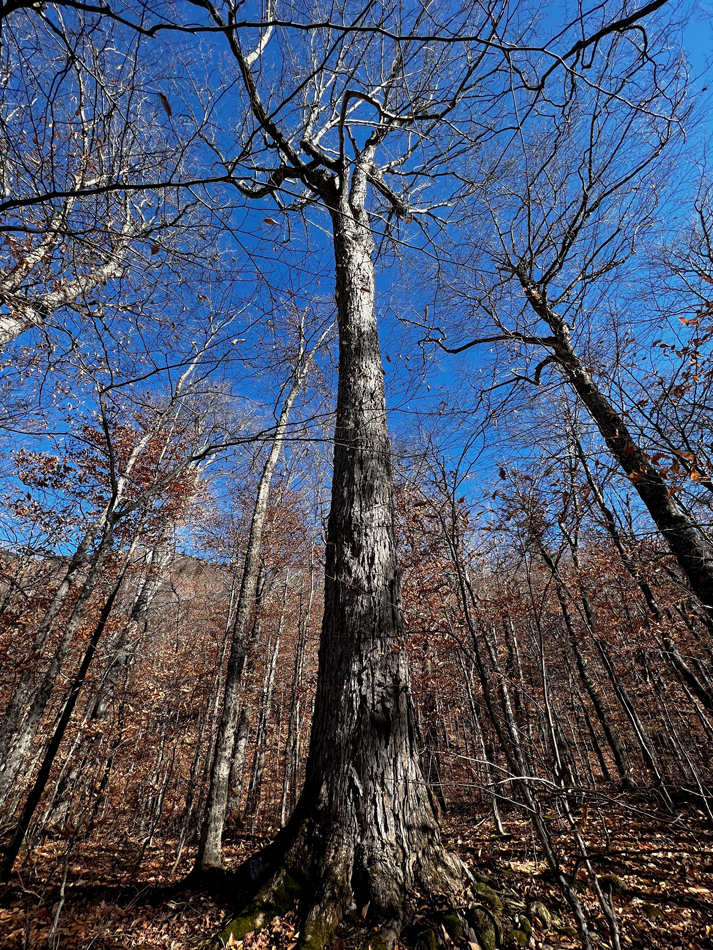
319, 934
428, 939
274, 900
376, 942
538, 910
315, 871
451, 923
516, 938
487, 895
612, 881
287, 885
567, 931
331, 896
477, 876
484, 926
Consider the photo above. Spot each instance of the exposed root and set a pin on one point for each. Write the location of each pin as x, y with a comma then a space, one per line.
387, 935
313, 873
325, 876
444, 928
290, 883
486, 926
275, 899
333, 896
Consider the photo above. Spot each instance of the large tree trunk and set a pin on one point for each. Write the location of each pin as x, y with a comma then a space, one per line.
365, 829
362, 772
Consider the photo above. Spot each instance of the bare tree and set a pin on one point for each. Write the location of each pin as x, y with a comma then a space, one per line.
129, 468
86, 126
361, 131
209, 852
351, 119
577, 193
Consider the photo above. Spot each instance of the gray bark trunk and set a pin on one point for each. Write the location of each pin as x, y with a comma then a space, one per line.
209, 850
364, 829
363, 787
252, 808
237, 768
294, 720
19, 750
687, 543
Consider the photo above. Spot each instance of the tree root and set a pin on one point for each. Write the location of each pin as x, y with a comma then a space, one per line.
309, 871
324, 876
274, 899
333, 894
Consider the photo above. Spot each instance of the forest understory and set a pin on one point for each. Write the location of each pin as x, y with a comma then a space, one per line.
659, 869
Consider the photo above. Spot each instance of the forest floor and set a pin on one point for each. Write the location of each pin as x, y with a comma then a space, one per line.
661, 872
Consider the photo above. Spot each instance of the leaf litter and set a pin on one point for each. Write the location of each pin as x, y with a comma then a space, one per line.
659, 874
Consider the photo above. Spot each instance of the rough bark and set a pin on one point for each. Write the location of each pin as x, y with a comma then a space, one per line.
363, 774
365, 828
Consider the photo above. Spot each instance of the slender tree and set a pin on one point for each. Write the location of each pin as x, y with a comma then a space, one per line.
209, 851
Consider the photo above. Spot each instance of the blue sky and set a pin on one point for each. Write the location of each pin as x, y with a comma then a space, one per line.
296, 269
